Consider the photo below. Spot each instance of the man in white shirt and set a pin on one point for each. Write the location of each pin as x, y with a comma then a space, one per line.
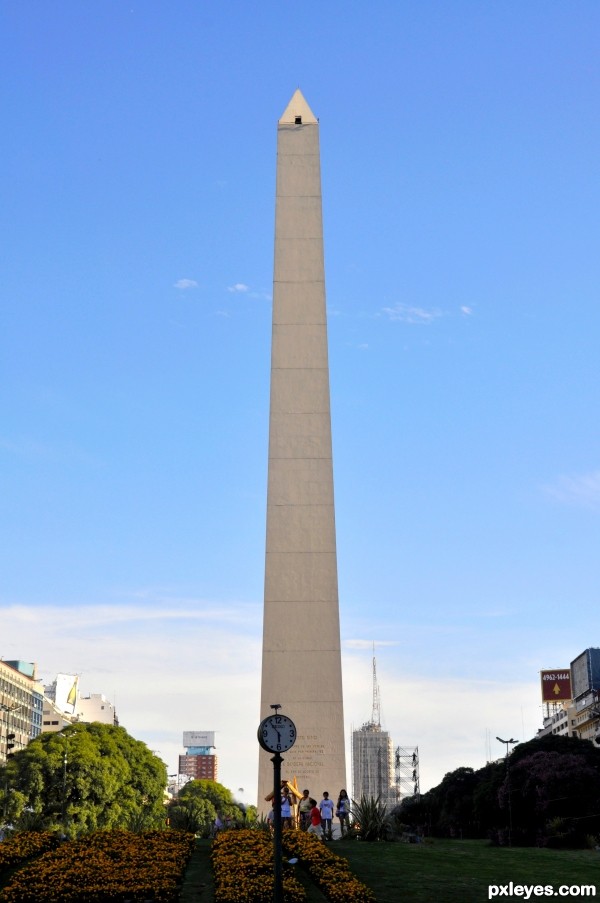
326, 806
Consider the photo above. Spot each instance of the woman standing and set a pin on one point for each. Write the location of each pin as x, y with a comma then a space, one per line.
343, 811
304, 808
286, 809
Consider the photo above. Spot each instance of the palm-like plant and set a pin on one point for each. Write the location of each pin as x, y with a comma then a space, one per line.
371, 819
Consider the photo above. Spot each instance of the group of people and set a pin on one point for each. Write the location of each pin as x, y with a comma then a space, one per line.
317, 819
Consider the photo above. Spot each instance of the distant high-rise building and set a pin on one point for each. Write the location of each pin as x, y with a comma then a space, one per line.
373, 756
199, 760
372, 764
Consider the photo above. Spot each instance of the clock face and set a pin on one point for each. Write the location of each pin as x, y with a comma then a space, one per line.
277, 733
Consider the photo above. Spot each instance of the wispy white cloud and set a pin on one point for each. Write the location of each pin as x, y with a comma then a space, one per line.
418, 711
467, 311
240, 288
368, 644
59, 452
197, 663
405, 313
582, 490
163, 608
184, 284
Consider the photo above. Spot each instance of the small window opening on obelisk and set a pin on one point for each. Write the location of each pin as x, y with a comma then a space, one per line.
298, 120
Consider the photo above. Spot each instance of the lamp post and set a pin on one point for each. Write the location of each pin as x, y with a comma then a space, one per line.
508, 743
66, 738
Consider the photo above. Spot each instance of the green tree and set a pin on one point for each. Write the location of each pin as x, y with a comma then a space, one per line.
89, 776
192, 814
550, 787
546, 782
198, 805
488, 817
220, 797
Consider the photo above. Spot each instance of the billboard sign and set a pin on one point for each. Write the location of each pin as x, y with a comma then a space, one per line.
198, 738
556, 685
66, 692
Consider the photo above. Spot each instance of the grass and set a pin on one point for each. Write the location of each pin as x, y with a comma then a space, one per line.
446, 871
198, 883
459, 871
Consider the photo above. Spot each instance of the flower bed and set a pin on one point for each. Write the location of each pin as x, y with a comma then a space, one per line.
330, 872
106, 865
243, 869
20, 847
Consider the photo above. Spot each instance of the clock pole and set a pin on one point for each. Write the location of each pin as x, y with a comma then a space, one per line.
275, 733
277, 846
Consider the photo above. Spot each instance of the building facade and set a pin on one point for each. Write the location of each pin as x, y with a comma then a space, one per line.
199, 760
96, 707
199, 766
579, 715
373, 772
21, 706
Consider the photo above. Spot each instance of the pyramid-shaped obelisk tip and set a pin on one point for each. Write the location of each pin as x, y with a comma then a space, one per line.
298, 111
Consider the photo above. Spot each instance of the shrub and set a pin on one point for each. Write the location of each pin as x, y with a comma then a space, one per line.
243, 869
330, 872
371, 819
106, 865
21, 847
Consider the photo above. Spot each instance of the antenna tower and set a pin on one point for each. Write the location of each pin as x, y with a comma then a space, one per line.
376, 712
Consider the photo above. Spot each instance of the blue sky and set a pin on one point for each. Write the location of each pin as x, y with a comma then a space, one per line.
460, 146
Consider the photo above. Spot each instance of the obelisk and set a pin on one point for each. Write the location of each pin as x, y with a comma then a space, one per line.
301, 665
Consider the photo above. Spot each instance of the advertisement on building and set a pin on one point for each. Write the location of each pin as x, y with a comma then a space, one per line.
66, 692
198, 738
556, 685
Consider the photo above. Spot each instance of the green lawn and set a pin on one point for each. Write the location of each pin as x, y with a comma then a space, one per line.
446, 871
459, 871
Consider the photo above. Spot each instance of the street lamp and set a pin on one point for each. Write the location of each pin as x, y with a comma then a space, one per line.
67, 738
508, 743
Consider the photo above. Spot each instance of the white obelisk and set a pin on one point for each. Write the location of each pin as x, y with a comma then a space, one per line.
301, 666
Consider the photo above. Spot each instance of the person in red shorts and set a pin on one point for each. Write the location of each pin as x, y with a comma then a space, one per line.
315, 819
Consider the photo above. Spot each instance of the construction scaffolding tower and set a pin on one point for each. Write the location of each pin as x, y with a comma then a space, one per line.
406, 767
